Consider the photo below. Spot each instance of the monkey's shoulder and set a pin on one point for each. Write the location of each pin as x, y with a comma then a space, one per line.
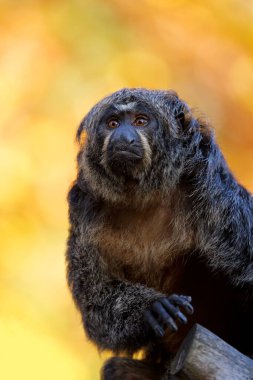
83, 208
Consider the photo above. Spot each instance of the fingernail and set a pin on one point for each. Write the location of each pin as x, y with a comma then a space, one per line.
190, 309
182, 318
159, 331
173, 326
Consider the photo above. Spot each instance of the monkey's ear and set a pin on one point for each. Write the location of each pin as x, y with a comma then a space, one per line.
179, 114
81, 134
182, 114
79, 131
180, 117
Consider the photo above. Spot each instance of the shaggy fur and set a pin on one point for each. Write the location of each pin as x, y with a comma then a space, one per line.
183, 224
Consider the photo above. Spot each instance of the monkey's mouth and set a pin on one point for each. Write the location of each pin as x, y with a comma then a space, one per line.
126, 155
126, 152
124, 160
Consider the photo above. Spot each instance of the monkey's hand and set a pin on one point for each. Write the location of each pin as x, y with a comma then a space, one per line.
165, 311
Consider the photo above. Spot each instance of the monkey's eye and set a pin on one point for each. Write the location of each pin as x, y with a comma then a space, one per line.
140, 121
113, 123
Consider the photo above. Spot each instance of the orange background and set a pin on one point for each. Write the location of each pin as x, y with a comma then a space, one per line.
56, 59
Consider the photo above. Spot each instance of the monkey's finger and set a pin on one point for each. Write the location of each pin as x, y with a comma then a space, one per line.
187, 298
154, 324
165, 317
181, 301
173, 310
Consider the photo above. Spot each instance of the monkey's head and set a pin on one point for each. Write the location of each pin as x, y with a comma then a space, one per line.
136, 141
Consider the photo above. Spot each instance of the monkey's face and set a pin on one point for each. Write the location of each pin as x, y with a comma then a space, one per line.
136, 139
125, 131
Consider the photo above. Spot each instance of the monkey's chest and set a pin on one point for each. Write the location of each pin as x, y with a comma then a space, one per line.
140, 248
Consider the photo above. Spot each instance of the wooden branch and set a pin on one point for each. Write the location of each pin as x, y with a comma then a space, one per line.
204, 356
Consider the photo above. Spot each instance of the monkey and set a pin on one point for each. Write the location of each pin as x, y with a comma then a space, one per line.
158, 225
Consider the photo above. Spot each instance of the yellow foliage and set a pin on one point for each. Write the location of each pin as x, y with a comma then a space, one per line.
32, 354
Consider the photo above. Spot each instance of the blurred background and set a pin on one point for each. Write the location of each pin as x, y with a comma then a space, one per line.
57, 58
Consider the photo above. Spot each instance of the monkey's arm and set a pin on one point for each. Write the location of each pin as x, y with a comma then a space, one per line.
223, 210
113, 311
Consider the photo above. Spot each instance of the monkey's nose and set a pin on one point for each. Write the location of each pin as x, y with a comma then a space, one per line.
125, 136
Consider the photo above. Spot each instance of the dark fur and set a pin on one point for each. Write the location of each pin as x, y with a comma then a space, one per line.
182, 226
